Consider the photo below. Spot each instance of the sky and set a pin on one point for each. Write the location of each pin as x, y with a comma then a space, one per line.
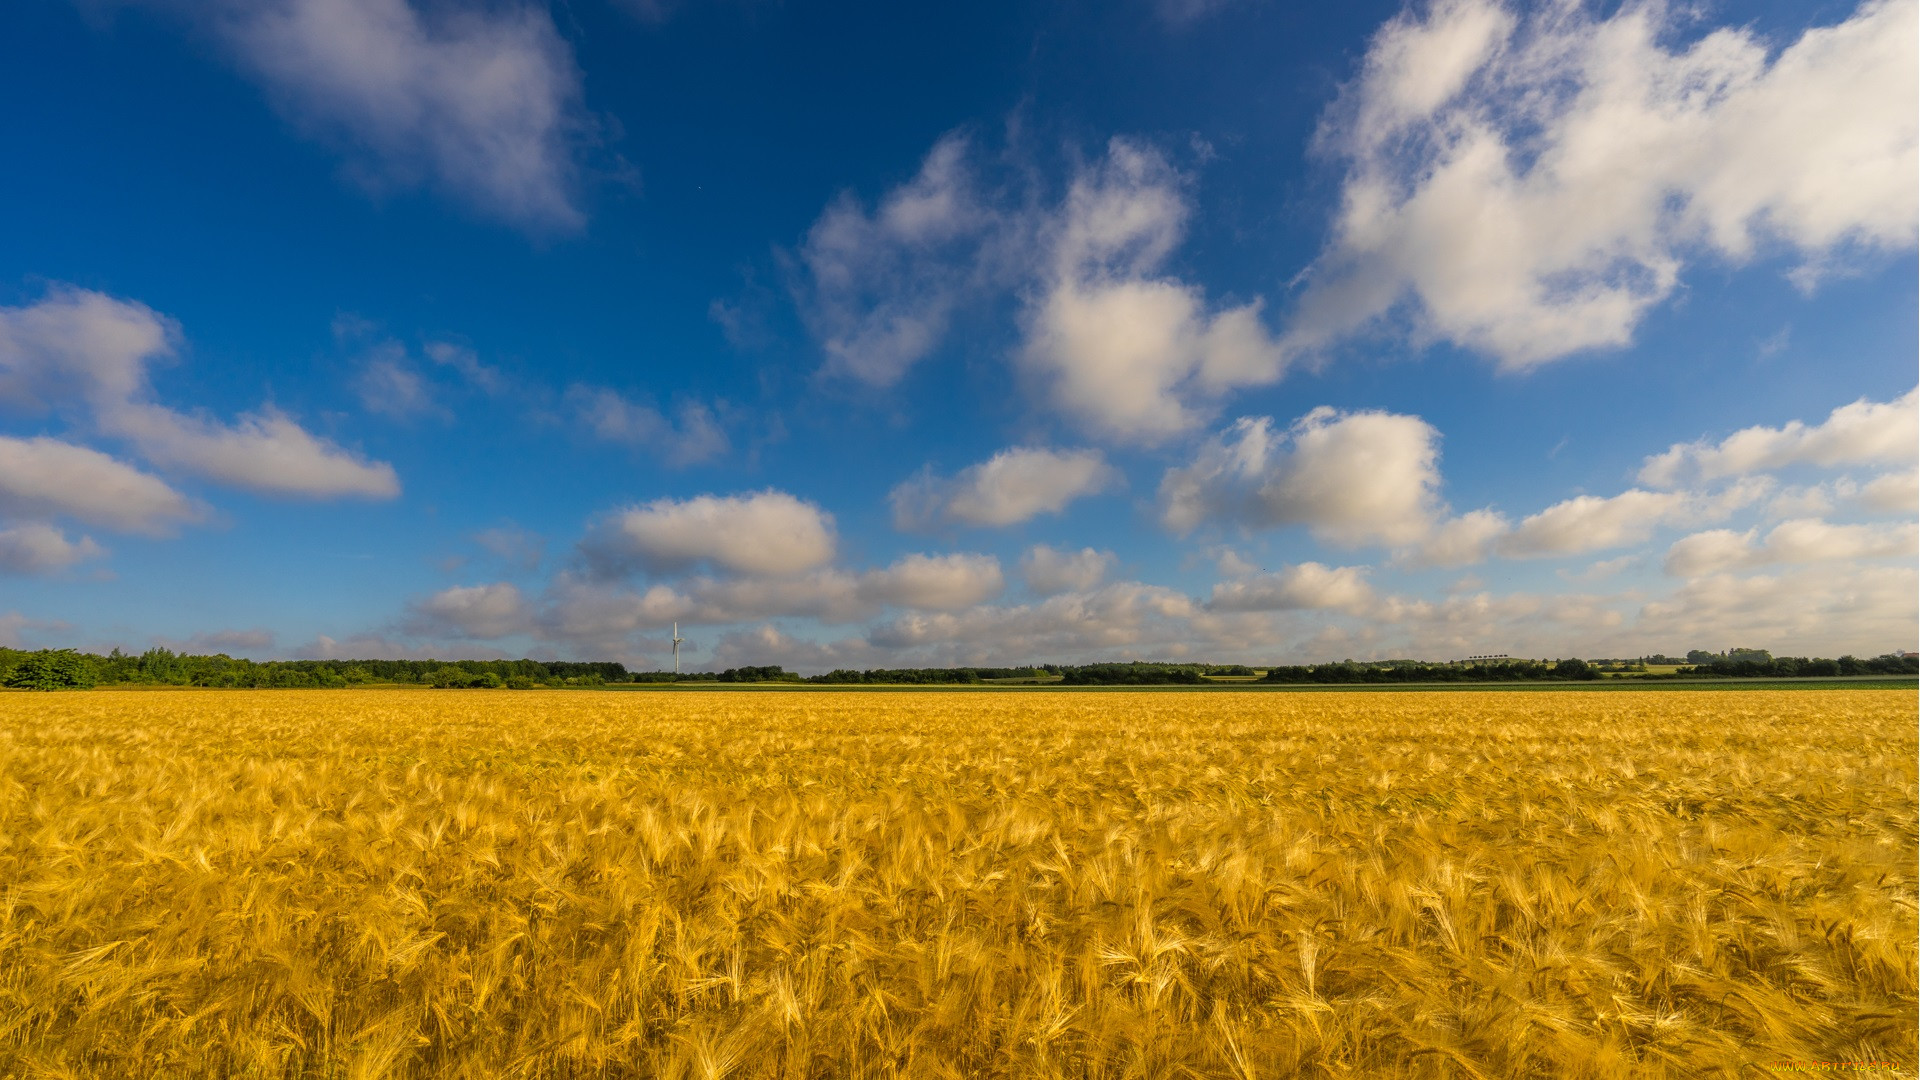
867, 335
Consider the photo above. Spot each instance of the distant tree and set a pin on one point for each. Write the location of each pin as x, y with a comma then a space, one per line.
1575, 669
51, 669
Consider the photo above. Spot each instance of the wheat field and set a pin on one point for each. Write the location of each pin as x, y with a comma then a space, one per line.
1005, 884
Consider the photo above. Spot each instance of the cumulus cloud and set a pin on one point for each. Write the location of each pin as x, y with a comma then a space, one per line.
1309, 586
767, 644
83, 350
1534, 182
1594, 523
38, 548
1817, 611
265, 452
1127, 352
692, 436
1013, 486
1865, 432
1116, 615
593, 616
79, 347
1460, 541
480, 103
44, 477
936, 582
1802, 540
1573, 526
830, 595
879, 288
605, 619
1896, 492
473, 611
1351, 478
765, 533
1049, 570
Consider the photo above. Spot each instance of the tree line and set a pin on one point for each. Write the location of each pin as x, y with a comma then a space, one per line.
56, 669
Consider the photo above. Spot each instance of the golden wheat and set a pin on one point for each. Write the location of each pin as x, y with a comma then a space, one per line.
676, 884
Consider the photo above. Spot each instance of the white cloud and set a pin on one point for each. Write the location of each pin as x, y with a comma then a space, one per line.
767, 644
82, 349
576, 609
694, 436
1113, 616
1128, 354
1013, 486
1593, 523
466, 363
518, 548
1576, 525
43, 477
1352, 478
389, 385
831, 596
1536, 183
597, 618
880, 289
936, 582
766, 532
473, 611
79, 347
1415, 66
1816, 611
482, 103
1865, 432
265, 452
1308, 586
1812, 500
39, 548
1802, 540
1049, 570
1895, 493
1460, 541
1601, 570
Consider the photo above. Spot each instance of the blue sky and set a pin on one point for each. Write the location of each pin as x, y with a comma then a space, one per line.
868, 335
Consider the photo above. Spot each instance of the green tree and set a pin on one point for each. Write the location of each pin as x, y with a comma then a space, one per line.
53, 669
1575, 669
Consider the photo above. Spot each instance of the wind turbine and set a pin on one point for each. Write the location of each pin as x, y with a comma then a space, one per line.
677, 639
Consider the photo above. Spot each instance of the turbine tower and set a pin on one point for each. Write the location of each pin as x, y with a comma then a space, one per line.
677, 639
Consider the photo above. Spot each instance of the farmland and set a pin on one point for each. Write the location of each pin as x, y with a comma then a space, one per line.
1108, 884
